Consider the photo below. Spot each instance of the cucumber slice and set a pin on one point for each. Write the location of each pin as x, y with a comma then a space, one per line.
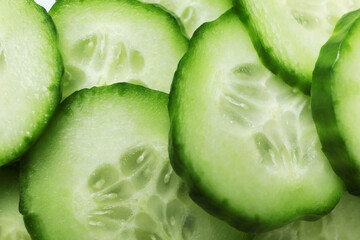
104, 42
342, 223
289, 34
244, 140
11, 222
335, 97
193, 13
107, 174
30, 74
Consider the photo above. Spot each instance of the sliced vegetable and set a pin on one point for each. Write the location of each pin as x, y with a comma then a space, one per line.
193, 13
335, 100
289, 34
104, 42
242, 139
30, 75
105, 161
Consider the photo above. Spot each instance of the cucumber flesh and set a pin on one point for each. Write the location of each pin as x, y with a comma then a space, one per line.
289, 34
30, 75
117, 41
193, 13
244, 140
342, 223
335, 97
11, 222
108, 175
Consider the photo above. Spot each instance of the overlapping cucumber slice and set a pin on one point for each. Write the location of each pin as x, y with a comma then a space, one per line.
193, 13
289, 34
104, 159
11, 222
335, 100
342, 223
244, 140
30, 74
104, 42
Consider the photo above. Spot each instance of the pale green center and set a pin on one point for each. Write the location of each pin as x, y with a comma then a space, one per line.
139, 198
319, 14
100, 60
277, 117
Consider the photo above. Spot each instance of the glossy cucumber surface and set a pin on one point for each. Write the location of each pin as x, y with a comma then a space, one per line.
30, 75
108, 176
242, 139
288, 34
105, 42
193, 13
335, 100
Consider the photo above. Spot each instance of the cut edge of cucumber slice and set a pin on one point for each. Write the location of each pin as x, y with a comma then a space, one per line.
157, 5
188, 14
171, 198
55, 89
131, 64
205, 199
288, 75
198, 193
33, 222
173, 15
332, 141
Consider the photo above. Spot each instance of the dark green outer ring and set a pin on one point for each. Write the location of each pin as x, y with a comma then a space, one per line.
289, 76
54, 88
178, 158
34, 223
322, 104
176, 149
155, 8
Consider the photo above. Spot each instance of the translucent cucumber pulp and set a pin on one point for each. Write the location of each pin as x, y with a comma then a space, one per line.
288, 34
116, 178
30, 75
243, 139
117, 41
194, 13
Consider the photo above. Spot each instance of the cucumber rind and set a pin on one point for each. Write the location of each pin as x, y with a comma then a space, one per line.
323, 111
172, 14
155, 104
174, 8
177, 154
179, 158
198, 193
33, 222
290, 76
169, 28
54, 88
151, 7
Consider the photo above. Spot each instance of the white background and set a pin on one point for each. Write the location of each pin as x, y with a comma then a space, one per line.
46, 3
